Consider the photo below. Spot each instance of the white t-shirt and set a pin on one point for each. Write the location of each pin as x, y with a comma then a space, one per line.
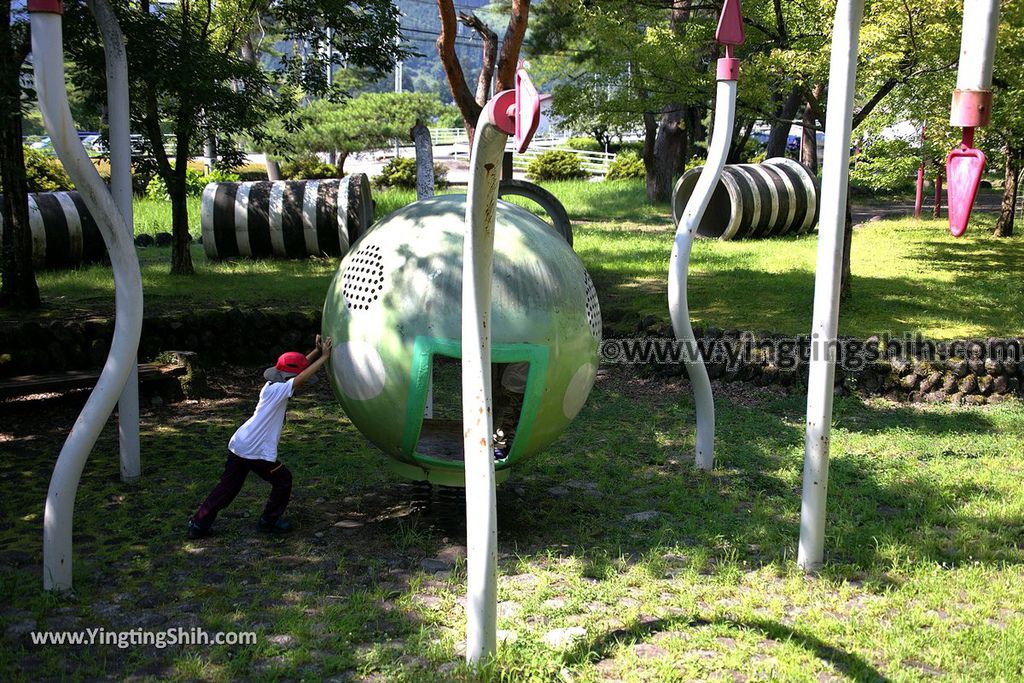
257, 438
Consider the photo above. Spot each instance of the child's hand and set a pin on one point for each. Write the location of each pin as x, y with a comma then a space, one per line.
326, 346
319, 344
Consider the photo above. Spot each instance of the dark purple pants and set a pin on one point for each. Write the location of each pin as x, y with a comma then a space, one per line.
236, 469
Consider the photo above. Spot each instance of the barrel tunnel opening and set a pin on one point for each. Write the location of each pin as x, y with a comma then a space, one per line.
716, 219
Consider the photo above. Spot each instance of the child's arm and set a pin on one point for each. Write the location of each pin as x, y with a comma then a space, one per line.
303, 377
311, 356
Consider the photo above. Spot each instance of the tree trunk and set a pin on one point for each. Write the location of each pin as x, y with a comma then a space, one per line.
424, 160
508, 58
668, 154
784, 114
809, 137
181, 251
650, 135
274, 169
741, 135
845, 280
19, 289
461, 94
1008, 208
340, 166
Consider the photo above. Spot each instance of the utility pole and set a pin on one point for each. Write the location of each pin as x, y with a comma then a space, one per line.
398, 89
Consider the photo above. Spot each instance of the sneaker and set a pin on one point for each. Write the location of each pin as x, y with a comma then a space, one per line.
280, 526
195, 531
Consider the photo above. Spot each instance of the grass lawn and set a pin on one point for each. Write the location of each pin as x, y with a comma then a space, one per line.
908, 275
618, 560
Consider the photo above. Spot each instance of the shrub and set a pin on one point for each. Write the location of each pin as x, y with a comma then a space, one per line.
195, 183
45, 173
628, 146
556, 164
250, 172
626, 165
401, 172
307, 168
886, 166
583, 144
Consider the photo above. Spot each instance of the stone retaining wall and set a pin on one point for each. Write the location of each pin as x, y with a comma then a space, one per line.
255, 336
924, 374
234, 336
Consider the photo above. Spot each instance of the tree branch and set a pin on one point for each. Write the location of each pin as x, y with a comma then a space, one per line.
490, 50
453, 69
510, 46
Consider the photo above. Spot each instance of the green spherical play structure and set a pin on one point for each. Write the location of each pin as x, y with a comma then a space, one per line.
395, 305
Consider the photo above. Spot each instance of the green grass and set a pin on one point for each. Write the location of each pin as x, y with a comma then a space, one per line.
926, 519
154, 215
908, 276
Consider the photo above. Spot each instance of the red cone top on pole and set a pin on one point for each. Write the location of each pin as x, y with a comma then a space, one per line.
730, 24
964, 167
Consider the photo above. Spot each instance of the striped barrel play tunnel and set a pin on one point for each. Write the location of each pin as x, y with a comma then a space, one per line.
285, 218
774, 198
64, 234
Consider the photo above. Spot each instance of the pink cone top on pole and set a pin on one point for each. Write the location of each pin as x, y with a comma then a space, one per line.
527, 110
730, 24
730, 34
517, 112
964, 167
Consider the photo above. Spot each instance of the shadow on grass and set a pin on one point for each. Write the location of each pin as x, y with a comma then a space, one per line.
845, 662
882, 506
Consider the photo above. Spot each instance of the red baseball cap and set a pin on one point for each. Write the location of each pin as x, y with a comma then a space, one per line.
289, 364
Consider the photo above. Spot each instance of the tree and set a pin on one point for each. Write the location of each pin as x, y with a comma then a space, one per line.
623, 66
196, 74
369, 121
504, 67
1007, 128
19, 288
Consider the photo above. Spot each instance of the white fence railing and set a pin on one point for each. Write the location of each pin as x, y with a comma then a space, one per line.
595, 163
457, 136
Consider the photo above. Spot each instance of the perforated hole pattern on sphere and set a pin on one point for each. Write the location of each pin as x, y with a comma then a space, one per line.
363, 279
593, 309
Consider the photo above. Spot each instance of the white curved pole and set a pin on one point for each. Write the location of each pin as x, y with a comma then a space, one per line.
842, 78
481, 512
718, 150
116, 59
48, 64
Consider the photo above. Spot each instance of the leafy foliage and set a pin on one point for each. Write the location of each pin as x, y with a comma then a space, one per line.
45, 173
583, 144
886, 166
556, 164
369, 121
308, 168
626, 165
449, 117
195, 183
401, 173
